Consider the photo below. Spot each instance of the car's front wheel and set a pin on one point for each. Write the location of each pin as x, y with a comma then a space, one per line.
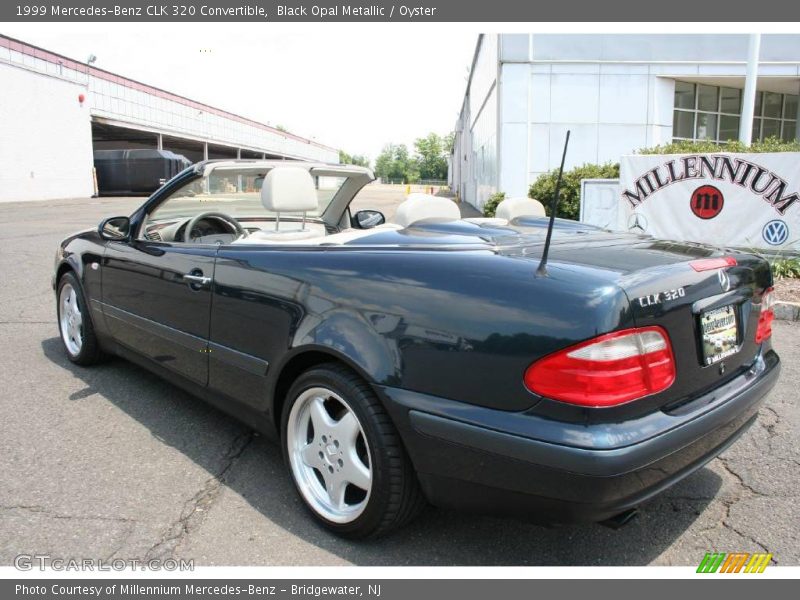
75, 323
345, 456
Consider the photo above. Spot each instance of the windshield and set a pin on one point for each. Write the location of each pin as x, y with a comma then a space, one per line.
237, 192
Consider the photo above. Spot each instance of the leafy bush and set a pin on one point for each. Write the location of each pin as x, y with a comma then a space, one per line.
772, 144
490, 208
786, 268
569, 198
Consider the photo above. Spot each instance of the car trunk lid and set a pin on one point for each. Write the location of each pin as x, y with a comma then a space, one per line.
708, 307
710, 315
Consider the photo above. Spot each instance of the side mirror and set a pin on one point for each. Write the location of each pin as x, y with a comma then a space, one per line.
367, 219
115, 229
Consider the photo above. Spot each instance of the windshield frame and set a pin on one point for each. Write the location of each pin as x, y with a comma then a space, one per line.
356, 179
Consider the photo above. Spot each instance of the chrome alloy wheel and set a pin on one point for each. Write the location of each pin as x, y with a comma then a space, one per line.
70, 319
329, 455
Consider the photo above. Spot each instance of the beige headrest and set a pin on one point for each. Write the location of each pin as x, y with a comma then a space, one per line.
424, 206
289, 189
511, 208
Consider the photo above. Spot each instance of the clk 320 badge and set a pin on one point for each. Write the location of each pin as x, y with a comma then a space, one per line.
661, 297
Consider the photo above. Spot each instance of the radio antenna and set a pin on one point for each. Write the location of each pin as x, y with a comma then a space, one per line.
542, 270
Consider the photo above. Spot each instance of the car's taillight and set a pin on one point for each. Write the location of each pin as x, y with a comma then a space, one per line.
767, 315
608, 370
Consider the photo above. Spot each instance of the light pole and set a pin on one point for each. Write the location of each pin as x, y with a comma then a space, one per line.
749, 100
89, 61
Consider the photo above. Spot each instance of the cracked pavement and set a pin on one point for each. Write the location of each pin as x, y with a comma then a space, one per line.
112, 462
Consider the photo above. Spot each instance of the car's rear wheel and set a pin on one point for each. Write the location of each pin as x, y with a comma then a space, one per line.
75, 323
345, 456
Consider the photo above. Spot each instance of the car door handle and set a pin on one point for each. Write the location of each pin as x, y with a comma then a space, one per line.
197, 279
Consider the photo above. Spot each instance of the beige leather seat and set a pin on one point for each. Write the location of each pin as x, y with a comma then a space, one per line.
424, 206
511, 208
287, 189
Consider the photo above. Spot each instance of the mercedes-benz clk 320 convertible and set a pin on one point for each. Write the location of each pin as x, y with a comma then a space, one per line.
428, 359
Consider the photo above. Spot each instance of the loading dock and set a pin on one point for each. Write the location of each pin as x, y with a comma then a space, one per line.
64, 110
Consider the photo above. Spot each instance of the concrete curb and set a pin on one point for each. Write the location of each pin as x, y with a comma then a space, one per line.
787, 311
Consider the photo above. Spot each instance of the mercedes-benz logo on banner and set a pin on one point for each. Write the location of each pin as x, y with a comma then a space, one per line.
724, 280
637, 221
775, 232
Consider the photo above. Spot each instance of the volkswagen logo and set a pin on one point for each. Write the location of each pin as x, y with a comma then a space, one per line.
637, 221
775, 232
724, 280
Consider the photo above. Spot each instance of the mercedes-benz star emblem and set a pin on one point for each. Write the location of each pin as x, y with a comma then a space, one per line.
724, 280
637, 221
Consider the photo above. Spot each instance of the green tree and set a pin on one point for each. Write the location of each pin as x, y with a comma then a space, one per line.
431, 156
449, 140
383, 162
395, 163
360, 160
428, 162
353, 159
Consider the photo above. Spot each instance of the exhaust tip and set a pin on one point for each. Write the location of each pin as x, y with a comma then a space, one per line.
619, 521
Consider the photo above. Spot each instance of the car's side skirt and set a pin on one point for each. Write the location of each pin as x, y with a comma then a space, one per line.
187, 340
224, 371
243, 413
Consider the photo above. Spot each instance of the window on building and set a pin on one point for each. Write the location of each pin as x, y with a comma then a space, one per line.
708, 112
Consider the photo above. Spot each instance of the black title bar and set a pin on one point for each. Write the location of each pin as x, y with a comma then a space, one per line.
391, 589
412, 11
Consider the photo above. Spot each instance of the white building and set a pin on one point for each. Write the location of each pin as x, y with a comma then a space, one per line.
616, 93
54, 111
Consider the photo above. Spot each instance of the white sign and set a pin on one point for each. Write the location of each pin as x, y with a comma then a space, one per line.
744, 200
600, 204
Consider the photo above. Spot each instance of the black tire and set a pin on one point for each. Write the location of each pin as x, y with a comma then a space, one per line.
90, 352
395, 497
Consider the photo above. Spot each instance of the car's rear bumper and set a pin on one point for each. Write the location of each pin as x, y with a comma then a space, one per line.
481, 459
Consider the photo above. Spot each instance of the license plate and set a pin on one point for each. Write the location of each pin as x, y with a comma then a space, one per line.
720, 334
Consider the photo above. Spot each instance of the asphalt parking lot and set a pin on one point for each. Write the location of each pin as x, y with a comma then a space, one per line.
113, 462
